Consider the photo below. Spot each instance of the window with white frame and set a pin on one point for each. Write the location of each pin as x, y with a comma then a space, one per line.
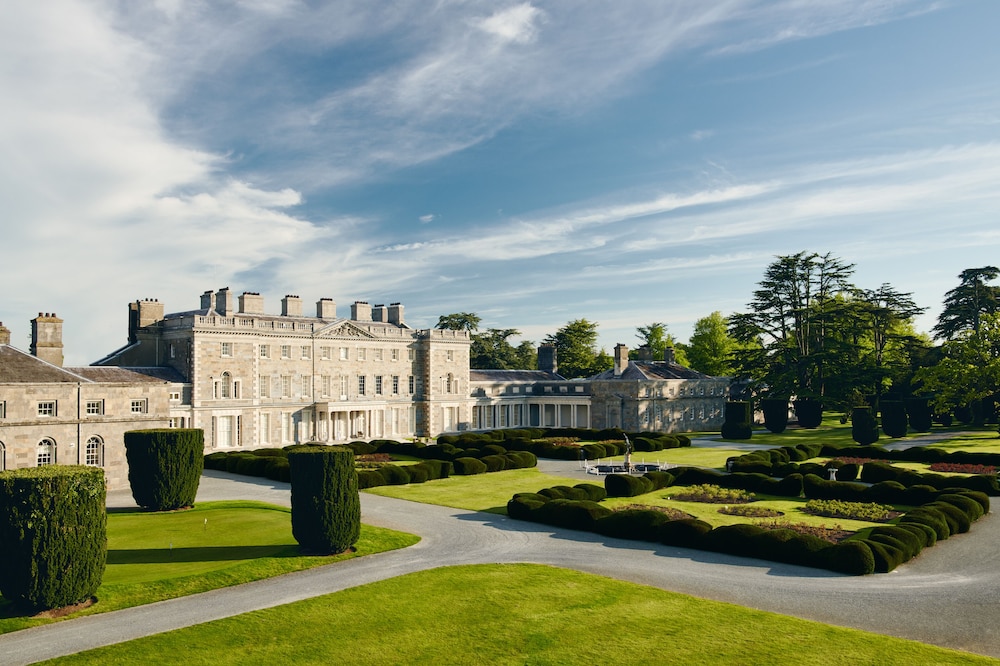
47, 408
378, 384
174, 396
46, 452
227, 349
361, 384
411, 354
286, 386
393, 354
325, 385
324, 353
395, 384
306, 352
411, 384
95, 407
362, 354
93, 453
265, 351
286, 351
171, 352
264, 386
139, 406
3, 409
286, 426
344, 354
3, 457
343, 386
306, 385
450, 355
265, 428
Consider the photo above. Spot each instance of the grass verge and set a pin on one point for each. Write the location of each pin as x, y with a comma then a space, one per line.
517, 614
157, 556
478, 492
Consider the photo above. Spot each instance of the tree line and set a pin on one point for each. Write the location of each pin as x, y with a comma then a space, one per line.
808, 331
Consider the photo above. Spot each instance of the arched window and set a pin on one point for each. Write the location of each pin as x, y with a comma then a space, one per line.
93, 454
3, 457
46, 452
227, 385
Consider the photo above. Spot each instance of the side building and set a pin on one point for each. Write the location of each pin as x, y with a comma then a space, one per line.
55, 415
255, 379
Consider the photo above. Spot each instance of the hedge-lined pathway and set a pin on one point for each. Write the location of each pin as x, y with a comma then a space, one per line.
949, 595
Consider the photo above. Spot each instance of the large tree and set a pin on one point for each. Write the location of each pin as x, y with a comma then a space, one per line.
965, 305
883, 333
459, 321
970, 368
576, 349
790, 329
711, 347
658, 340
492, 350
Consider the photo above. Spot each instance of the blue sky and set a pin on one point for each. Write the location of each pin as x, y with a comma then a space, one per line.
533, 162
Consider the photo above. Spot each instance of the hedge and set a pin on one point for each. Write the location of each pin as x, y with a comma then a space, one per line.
894, 422
326, 508
864, 428
775, 414
809, 412
919, 414
738, 423
53, 527
164, 466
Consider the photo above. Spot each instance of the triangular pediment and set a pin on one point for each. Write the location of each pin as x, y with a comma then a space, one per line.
344, 329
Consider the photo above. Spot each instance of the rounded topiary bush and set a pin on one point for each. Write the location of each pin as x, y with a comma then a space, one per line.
394, 475
467, 466
53, 527
685, 533
624, 485
164, 466
918, 412
326, 507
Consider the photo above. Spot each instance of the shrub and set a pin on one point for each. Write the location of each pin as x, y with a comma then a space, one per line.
278, 470
713, 495
523, 505
53, 526
887, 556
732, 539
639, 524
864, 429
738, 423
660, 479
849, 557
572, 514
394, 475
684, 533
775, 414
930, 517
369, 478
919, 414
971, 507
468, 466
164, 466
624, 485
494, 463
849, 510
326, 508
809, 412
893, 418
593, 491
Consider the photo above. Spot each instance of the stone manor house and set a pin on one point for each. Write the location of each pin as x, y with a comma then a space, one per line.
251, 379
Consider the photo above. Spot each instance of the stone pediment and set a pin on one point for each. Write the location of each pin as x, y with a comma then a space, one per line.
345, 329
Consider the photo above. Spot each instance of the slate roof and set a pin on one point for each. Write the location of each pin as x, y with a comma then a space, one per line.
651, 370
18, 367
514, 376
113, 374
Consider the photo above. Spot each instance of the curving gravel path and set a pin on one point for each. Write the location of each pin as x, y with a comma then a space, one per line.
948, 596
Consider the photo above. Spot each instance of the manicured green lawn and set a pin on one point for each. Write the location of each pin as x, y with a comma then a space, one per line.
694, 456
156, 556
517, 614
478, 492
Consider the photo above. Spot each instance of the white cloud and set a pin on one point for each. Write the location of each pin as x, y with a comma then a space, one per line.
426, 219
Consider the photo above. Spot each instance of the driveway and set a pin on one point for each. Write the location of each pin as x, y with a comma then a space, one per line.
947, 596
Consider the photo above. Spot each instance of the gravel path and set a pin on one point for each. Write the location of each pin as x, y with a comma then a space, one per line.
947, 596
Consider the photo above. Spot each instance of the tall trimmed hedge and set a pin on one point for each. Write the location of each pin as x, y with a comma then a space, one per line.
53, 531
775, 414
738, 422
919, 413
894, 422
164, 466
809, 412
864, 429
326, 507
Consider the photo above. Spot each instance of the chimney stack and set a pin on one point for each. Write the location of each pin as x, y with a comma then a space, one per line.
379, 313
668, 355
547, 359
46, 338
208, 300
621, 359
251, 303
326, 308
141, 314
4, 334
225, 304
395, 315
361, 311
291, 306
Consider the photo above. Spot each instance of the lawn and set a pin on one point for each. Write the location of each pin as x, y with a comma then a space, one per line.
516, 614
157, 556
478, 492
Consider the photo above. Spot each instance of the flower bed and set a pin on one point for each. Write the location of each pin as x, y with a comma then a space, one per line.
851, 510
673, 514
749, 511
961, 468
711, 494
831, 534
